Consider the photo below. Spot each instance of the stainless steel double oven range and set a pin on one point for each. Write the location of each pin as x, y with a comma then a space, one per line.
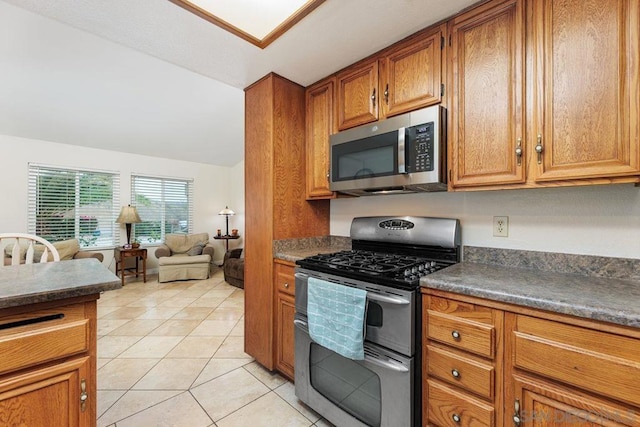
389, 256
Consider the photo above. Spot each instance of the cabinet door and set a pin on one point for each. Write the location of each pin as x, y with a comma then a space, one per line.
320, 124
541, 403
358, 98
49, 397
586, 99
487, 113
411, 76
286, 310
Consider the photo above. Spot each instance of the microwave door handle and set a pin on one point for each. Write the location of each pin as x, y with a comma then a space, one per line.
401, 151
388, 364
386, 298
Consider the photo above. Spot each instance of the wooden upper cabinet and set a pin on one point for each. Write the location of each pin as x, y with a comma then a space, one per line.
411, 74
358, 95
320, 123
487, 108
406, 77
587, 89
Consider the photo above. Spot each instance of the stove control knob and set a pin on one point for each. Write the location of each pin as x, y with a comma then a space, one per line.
421, 267
414, 269
433, 263
407, 273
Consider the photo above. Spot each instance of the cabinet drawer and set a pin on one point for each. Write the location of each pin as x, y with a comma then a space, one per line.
448, 407
460, 371
478, 338
285, 279
32, 338
600, 362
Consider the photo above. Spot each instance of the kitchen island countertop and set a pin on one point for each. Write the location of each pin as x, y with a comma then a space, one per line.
605, 299
34, 283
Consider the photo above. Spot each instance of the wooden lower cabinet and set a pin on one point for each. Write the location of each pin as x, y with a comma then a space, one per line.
48, 364
46, 397
462, 364
285, 309
487, 363
544, 403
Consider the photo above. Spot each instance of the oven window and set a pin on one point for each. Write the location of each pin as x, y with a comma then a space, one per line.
346, 383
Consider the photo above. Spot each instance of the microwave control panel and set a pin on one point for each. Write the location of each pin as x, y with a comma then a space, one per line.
420, 152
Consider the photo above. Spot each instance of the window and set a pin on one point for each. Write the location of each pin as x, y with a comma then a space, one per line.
71, 203
165, 205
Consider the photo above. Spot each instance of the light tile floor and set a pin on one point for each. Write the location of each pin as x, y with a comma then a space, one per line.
171, 354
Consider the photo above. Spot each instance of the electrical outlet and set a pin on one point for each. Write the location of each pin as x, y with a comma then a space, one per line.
500, 226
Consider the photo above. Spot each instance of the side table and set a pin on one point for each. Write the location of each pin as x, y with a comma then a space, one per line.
226, 239
121, 255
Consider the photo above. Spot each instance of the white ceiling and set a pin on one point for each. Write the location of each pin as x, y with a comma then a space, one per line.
149, 77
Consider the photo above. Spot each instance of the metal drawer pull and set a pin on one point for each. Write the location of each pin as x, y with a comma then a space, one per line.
455, 335
516, 414
286, 285
455, 373
455, 418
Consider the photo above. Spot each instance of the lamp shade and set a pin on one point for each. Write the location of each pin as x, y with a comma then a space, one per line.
128, 215
226, 211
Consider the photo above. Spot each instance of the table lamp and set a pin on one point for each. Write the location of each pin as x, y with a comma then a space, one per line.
128, 215
227, 213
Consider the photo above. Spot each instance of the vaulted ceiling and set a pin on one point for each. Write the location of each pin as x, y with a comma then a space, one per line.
149, 77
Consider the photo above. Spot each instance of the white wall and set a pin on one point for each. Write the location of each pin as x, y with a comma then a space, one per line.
214, 186
594, 220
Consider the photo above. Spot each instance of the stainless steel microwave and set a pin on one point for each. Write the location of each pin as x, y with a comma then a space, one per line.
402, 154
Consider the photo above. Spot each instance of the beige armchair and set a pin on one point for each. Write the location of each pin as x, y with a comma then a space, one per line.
184, 257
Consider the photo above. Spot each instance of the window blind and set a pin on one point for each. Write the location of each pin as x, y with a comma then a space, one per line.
165, 205
72, 203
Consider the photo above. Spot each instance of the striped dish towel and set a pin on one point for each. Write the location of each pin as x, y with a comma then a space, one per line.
336, 316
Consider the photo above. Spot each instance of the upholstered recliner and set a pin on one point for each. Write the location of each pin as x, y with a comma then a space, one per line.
233, 268
184, 257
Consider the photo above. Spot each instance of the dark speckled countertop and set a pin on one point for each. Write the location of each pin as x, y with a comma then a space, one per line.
295, 249
600, 298
34, 283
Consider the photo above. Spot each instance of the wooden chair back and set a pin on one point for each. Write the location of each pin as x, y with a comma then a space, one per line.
31, 240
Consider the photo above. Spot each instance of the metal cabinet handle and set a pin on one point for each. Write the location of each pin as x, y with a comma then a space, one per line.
386, 94
519, 151
83, 395
286, 286
539, 148
373, 97
455, 335
455, 373
328, 173
516, 414
455, 418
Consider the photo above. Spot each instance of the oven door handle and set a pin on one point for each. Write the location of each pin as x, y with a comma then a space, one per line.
300, 323
388, 364
301, 276
386, 298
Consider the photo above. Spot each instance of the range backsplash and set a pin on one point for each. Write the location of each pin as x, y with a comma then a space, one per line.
586, 265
